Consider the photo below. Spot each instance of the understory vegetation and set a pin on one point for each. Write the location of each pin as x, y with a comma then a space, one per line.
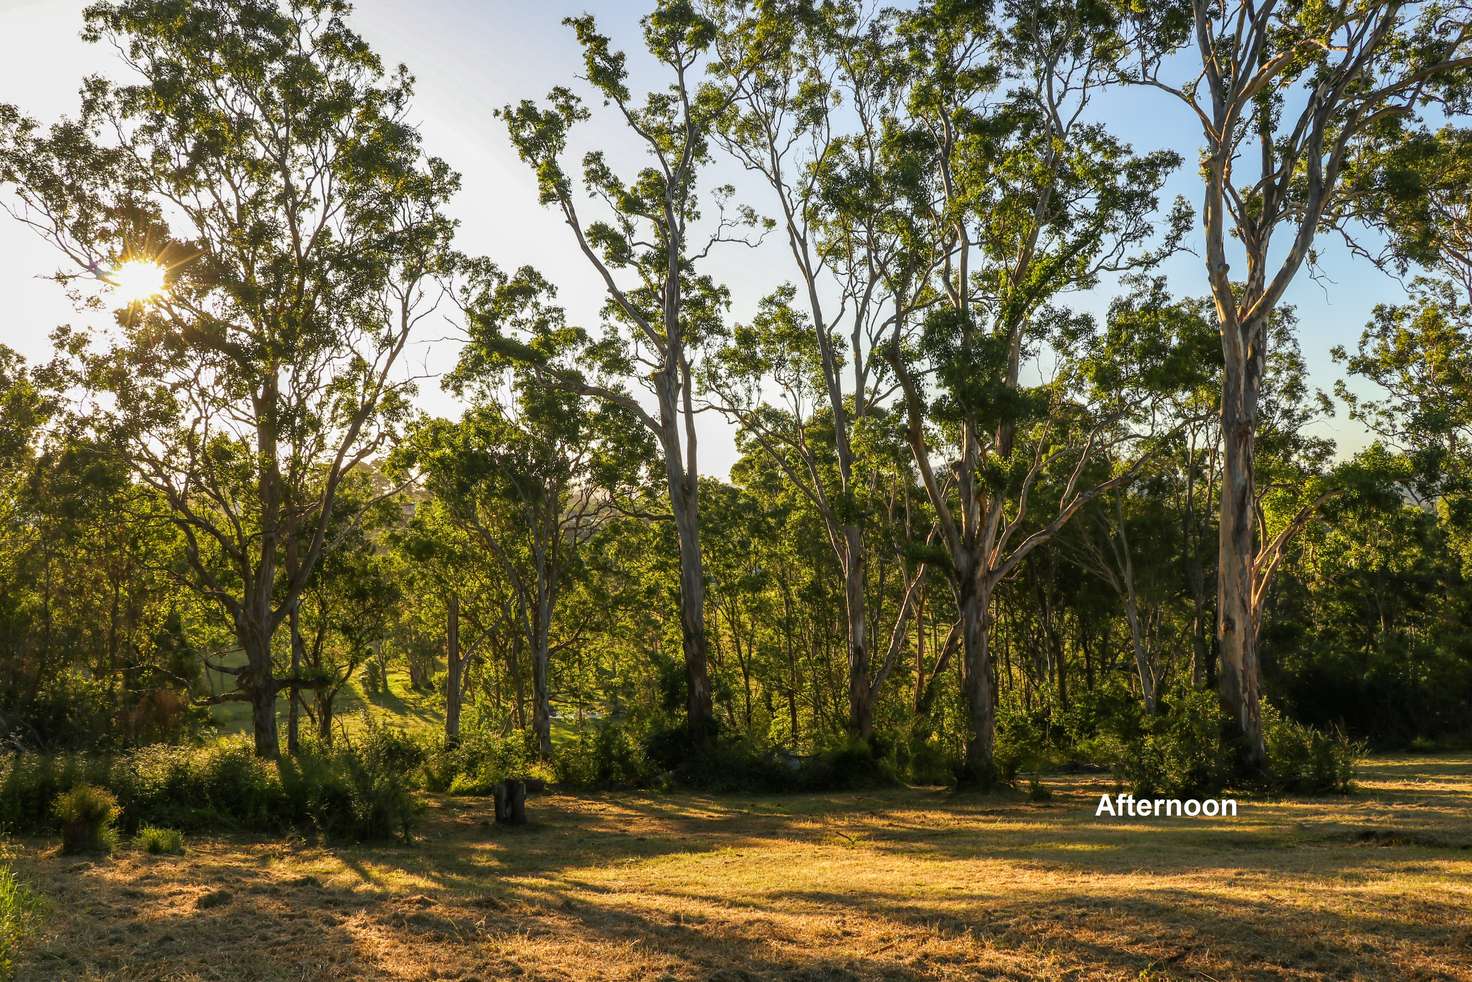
926, 412
19, 909
1006, 495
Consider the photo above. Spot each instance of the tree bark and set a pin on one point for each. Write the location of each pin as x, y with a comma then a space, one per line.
1142, 658
1241, 677
298, 650
261, 685
541, 668
510, 802
453, 670
975, 604
324, 716
699, 714
860, 693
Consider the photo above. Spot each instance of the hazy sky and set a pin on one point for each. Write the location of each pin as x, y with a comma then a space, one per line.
471, 57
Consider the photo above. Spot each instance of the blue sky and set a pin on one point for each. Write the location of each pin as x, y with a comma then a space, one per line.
472, 57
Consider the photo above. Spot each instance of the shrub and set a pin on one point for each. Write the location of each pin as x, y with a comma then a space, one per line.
611, 755
159, 841
72, 710
725, 763
849, 765
31, 783
1307, 760
1181, 753
1022, 742
481, 760
1110, 712
88, 816
923, 758
19, 909
240, 787
471, 784
359, 791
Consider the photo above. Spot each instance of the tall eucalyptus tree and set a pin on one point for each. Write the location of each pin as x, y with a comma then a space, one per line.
1286, 92
645, 250
259, 177
812, 91
1028, 199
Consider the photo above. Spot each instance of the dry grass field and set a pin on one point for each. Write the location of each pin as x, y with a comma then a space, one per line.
894, 885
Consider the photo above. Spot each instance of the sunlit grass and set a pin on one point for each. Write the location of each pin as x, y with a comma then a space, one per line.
895, 884
19, 911
398, 705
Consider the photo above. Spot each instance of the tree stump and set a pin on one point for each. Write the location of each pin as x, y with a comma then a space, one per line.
511, 802
517, 810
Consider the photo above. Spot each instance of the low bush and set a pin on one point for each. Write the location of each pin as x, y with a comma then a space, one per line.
1109, 713
1022, 742
30, 783
724, 763
357, 791
88, 817
923, 758
1306, 760
1183, 752
610, 754
851, 764
159, 841
71, 710
19, 911
480, 761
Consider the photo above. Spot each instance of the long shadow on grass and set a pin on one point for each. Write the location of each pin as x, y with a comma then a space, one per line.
354, 908
209, 915
609, 829
1190, 929
1308, 836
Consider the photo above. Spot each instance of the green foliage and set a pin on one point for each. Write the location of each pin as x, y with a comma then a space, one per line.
88, 817
72, 708
1185, 752
20, 909
1023, 742
660, 753
850, 764
357, 791
924, 759
481, 760
610, 754
158, 841
729, 763
1305, 760
1101, 722
1370, 636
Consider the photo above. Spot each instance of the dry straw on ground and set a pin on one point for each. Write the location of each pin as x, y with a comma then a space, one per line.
895, 885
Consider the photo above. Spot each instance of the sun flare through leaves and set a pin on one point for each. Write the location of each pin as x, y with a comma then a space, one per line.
137, 281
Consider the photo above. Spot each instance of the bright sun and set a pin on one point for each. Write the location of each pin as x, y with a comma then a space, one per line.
137, 280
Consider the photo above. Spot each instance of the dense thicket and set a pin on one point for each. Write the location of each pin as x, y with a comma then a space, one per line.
973, 528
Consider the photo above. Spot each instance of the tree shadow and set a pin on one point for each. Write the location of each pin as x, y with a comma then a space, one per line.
892, 884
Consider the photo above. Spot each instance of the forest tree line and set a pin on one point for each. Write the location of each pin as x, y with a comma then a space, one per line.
969, 514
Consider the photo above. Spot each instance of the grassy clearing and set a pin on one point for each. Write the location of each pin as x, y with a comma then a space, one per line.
399, 705
894, 885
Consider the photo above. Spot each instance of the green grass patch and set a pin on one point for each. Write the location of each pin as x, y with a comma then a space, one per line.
20, 909
160, 841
